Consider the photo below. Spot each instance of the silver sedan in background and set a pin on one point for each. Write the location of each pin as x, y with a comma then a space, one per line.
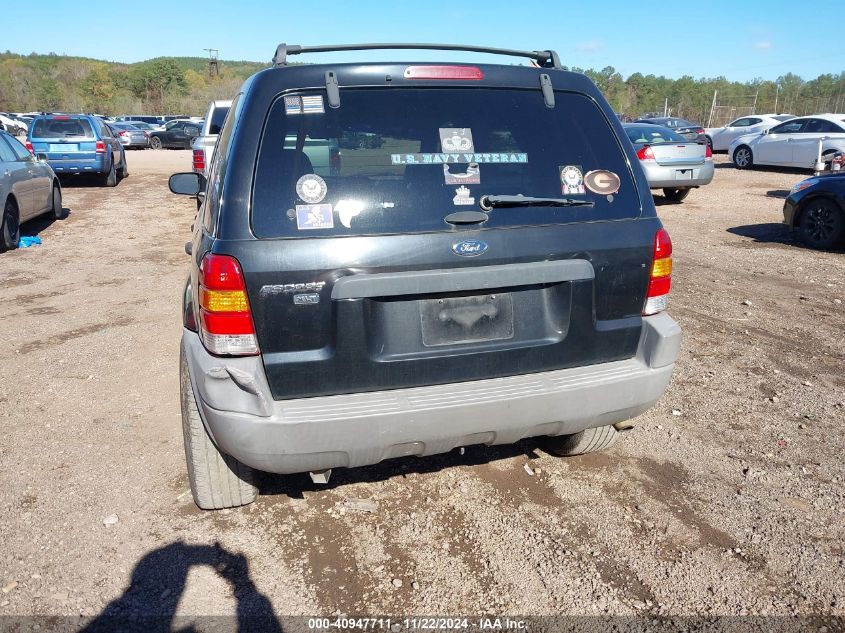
669, 161
130, 137
28, 188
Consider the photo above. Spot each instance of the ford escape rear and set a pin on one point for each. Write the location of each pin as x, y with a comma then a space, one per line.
481, 262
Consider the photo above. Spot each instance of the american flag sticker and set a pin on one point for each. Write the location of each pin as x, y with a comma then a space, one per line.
313, 104
293, 105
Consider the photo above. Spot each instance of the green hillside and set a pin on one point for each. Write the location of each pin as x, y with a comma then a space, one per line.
182, 85
156, 86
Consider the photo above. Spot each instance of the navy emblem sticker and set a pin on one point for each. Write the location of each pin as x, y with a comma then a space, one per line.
572, 180
311, 188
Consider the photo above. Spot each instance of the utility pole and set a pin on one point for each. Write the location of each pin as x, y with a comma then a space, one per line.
212, 62
754, 107
777, 91
712, 107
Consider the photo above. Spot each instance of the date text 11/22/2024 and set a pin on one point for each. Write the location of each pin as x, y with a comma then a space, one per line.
396, 625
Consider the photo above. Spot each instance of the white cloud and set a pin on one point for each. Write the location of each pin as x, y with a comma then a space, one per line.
590, 47
763, 45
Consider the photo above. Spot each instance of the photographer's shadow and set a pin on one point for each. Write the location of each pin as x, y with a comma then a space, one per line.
149, 603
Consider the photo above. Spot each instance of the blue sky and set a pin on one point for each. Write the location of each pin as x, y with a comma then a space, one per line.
738, 39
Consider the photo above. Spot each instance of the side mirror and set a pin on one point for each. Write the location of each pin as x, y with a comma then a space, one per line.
766, 131
41, 157
187, 183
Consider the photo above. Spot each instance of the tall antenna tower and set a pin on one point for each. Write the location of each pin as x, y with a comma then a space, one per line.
213, 69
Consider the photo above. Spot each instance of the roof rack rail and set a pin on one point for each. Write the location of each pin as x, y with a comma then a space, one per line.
546, 59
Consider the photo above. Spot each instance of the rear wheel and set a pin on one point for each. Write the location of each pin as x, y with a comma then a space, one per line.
57, 210
155, 142
124, 170
110, 179
743, 157
11, 230
586, 441
217, 480
822, 224
676, 195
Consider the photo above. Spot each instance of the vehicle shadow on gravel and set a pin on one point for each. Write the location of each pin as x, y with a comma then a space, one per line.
768, 233
294, 486
36, 225
149, 603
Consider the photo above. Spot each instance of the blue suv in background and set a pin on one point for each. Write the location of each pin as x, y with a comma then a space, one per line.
78, 144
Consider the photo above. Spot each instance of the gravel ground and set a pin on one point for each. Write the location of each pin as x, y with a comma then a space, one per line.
726, 498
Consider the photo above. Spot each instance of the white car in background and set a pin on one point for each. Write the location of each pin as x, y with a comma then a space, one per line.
793, 143
720, 138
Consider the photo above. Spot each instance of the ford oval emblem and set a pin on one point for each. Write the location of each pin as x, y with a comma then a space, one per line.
469, 248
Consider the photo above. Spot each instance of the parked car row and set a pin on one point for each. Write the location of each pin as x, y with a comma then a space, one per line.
28, 188
801, 142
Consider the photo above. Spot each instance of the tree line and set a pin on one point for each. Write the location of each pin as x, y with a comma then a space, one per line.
167, 85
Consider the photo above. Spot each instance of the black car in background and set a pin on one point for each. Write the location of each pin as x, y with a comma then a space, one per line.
176, 135
815, 209
689, 130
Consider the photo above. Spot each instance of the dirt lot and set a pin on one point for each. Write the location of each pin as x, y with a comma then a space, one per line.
726, 499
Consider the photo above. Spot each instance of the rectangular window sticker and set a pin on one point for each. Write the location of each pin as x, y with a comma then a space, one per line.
314, 216
309, 104
472, 175
572, 180
293, 105
456, 139
457, 158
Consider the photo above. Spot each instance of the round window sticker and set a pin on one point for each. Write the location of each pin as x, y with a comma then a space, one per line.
311, 188
602, 182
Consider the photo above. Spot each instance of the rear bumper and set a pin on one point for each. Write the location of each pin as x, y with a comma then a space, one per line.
308, 434
82, 166
660, 176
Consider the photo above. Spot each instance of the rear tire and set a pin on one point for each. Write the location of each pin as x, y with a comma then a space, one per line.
676, 195
743, 157
822, 224
10, 229
587, 441
110, 179
58, 211
155, 142
124, 171
217, 480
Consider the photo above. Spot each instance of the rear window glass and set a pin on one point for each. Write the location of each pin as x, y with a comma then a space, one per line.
62, 128
218, 115
651, 134
401, 160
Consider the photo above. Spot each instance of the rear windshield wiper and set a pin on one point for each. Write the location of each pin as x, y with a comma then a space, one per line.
491, 202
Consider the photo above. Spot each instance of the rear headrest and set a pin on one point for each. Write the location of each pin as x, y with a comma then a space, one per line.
296, 162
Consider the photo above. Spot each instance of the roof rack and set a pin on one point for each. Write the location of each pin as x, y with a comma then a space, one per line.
546, 59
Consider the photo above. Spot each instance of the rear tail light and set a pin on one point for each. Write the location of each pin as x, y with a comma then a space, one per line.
101, 147
29, 147
708, 153
661, 274
123, 133
699, 130
645, 153
199, 160
443, 72
226, 326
